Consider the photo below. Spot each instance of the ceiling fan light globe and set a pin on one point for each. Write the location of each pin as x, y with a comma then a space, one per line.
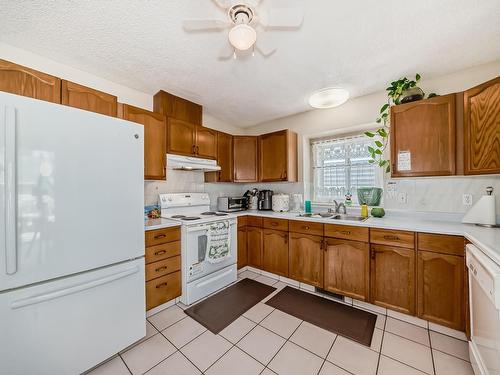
329, 97
242, 37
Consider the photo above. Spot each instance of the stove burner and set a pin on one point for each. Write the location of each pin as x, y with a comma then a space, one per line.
209, 213
189, 218
178, 216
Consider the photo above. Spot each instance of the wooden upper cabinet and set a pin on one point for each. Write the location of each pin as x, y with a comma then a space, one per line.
482, 128
275, 252
347, 268
19, 80
206, 142
224, 159
440, 289
245, 158
155, 130
278, 156
78, 96
426, 129
392, 278
178, 108
181, 137
305, 258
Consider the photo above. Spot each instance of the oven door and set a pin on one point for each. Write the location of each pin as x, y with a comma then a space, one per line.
195, 264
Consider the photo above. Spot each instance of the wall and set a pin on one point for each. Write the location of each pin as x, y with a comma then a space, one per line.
423, 194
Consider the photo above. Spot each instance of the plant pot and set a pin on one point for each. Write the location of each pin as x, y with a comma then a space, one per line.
412, 95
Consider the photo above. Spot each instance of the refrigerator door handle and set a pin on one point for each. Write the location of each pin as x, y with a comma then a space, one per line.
39, 298
10, 192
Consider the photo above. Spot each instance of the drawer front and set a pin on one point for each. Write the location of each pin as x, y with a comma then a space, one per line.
278, 224
306, 227
163, 289
254, 221
441, 243
347, 232
162, 267
163, 251
242, 221
159, 236
400, 238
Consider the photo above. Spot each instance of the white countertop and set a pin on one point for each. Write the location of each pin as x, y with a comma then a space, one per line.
486, 239
160, 223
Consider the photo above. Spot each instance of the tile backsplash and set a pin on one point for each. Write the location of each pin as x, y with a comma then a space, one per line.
432, 194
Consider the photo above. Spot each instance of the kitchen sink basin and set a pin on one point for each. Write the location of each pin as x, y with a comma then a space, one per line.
348, 217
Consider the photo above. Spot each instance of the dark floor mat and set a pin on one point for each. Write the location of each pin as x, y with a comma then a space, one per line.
347, 321
217, 312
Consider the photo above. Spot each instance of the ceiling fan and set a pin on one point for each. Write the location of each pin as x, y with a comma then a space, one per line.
247, 25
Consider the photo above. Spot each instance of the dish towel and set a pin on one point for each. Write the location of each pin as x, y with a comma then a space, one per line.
218, 243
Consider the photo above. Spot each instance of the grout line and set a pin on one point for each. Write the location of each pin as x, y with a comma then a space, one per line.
125, 363
432, 354
451, 355
381, 345
403, 363
406, 338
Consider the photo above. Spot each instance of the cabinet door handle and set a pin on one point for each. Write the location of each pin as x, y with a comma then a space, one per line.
391, 237
375, 252
321, 245
197, 150
158, 236
346, 232
159, 269
284, 175
193, 150
285, 237
162, 285
161, 252
220, 175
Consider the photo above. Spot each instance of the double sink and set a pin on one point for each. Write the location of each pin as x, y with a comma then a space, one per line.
334, 216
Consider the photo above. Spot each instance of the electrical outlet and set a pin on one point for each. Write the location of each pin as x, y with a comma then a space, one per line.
467, 199
402, 197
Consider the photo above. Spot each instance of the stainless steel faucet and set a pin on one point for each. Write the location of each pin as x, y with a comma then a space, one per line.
337, 208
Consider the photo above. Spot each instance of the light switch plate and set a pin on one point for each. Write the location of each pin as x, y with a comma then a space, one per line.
467, 199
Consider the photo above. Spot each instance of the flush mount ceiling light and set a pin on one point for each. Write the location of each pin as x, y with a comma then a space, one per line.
242, 37
328, 97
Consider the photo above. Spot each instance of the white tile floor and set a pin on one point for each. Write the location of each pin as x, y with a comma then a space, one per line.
268, 342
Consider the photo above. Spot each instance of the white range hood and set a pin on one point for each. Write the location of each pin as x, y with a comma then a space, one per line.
189, 163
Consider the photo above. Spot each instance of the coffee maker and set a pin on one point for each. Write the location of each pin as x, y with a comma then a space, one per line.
265, 202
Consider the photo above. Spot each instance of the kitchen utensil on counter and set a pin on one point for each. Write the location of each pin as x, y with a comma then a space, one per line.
483, 213
265, 202
370, 196
296, 203
281, 203
254, 203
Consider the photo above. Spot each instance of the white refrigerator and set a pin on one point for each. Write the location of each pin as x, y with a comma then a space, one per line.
71, 237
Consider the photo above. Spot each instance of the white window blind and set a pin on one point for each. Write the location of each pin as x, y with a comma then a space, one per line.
340, 166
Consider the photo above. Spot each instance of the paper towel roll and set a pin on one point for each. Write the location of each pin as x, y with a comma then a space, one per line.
483, 212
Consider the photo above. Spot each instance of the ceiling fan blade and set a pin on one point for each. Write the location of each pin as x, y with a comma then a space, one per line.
223, 4
205, 24
282, 18
264, 45
226, 52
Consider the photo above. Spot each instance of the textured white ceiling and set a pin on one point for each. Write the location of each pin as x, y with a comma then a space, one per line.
360, 45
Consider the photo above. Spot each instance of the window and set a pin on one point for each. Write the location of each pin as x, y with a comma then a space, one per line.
340, 166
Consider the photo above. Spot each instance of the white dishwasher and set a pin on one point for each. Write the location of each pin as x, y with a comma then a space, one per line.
484, 294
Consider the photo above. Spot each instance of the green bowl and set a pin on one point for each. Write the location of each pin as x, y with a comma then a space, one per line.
378, 212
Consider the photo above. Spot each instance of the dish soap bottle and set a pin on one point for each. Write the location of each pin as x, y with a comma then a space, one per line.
364, 210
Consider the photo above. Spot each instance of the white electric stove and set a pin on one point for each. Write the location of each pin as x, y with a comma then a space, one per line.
200, 277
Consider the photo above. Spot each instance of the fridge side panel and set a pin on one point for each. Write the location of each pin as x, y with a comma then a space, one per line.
80, 191
69, 325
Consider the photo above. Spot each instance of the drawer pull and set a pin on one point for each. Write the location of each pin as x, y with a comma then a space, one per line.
161, 252
306, 227
159, 269
274, 224
391, 237
346, 232
162, 285
158, 236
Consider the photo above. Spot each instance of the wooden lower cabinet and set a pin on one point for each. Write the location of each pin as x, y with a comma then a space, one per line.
163, 289
163, 266
392, 278
275, 252
440, 289
347, 268
305, 259
242, 247
254, 246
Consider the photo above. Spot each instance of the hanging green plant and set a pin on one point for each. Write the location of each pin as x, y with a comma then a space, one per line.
403, 90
